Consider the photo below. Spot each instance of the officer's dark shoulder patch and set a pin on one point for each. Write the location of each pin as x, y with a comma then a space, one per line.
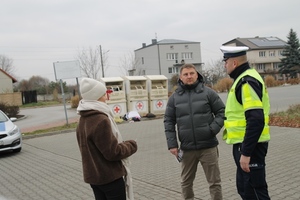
248, 79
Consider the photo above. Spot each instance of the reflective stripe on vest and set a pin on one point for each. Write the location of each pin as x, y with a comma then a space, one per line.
235, 123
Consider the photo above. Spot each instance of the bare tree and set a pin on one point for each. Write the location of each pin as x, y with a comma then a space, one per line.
38, 83
6, 64
90, 62
23, 85
129, 64
214, 71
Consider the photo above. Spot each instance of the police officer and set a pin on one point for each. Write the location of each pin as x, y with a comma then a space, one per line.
246, 124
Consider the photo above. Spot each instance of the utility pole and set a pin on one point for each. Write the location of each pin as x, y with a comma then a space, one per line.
102, 67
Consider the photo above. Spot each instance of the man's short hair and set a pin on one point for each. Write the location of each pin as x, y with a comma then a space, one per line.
187, 66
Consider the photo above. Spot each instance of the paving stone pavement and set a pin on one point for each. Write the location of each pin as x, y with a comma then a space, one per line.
49, 167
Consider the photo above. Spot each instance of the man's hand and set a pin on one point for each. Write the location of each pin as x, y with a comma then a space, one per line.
174, 151
244, 162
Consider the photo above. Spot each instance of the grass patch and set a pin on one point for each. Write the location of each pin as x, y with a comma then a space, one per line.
289, 118
40, 104
65, 127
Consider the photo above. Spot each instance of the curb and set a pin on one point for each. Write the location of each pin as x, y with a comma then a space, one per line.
24, 137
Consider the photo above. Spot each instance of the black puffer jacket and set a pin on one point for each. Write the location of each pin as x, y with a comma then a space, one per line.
198, 113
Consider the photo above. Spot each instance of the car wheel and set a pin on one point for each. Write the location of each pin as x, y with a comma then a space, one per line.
17, 150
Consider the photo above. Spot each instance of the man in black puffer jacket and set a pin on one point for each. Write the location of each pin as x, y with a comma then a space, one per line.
198, 112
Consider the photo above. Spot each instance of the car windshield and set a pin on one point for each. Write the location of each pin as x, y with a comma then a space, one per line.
3, 118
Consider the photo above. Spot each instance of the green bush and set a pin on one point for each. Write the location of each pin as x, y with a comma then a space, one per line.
3, 106
13, 111
270, 81
75, 101
10, 111
223, 85
293, 81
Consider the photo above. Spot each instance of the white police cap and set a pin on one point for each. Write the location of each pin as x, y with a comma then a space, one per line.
233, 51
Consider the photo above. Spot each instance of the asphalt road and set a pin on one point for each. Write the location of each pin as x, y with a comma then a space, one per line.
39, 117
280, 97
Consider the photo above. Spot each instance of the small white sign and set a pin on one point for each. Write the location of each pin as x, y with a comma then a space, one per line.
67, 70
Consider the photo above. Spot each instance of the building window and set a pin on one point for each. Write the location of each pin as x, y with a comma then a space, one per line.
186, 46
276, 66
173, 70
143, 72
262, 54
271, 53
172, 56
280, 53
143, 60
260, 66
172, 47
187, 56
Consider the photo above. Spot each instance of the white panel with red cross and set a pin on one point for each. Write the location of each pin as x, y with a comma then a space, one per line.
158, 106
118, 108
141, 106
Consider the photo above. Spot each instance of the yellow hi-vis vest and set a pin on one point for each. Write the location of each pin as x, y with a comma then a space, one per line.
235, 123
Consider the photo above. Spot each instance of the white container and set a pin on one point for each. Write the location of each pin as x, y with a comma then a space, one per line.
116, 85
116, 98
157, 86
136, 94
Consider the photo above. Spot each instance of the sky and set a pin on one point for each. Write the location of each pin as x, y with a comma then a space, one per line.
37, 33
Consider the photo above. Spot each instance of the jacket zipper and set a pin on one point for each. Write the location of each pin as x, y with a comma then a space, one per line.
191, 117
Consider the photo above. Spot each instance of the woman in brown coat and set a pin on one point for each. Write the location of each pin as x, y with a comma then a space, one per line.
104, 153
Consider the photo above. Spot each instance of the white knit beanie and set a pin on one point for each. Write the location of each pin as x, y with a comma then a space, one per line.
91, 89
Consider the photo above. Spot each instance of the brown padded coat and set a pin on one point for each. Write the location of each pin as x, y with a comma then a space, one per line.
100, 151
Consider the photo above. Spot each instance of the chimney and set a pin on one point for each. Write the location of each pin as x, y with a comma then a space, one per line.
154, 41
143, 45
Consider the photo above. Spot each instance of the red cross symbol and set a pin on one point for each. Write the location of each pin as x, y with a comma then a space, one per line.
139, 105
159, 104
117, 109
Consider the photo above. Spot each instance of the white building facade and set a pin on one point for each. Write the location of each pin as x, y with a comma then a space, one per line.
6, 82
165, 57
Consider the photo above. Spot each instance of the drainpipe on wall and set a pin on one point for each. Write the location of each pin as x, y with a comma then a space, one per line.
159, 67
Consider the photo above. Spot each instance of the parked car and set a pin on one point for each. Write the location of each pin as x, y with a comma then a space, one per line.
10, 135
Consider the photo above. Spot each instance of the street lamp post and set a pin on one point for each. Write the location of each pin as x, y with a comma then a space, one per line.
102, 67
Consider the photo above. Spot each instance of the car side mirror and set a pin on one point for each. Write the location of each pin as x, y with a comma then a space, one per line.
13, 119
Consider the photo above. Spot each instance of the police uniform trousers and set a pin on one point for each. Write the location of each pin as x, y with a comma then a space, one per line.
252, 185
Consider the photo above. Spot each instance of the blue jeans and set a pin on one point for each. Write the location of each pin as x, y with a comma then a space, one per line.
111, 191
